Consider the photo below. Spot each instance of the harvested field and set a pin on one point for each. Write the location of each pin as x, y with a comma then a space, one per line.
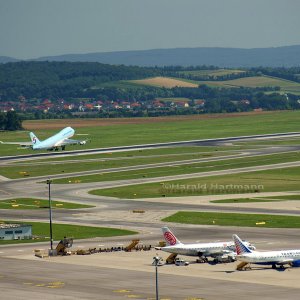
165, 82
78, 123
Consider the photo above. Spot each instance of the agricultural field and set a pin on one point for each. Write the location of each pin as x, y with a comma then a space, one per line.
260, 81
252, 82
165, 82
215, 73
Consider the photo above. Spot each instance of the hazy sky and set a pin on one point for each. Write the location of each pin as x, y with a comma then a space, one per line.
34, 28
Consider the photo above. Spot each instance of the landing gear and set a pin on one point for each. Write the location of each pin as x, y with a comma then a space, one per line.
273, 266
63, 148
202, 259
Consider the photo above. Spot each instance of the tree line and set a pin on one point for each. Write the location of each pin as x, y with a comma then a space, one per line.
10, 121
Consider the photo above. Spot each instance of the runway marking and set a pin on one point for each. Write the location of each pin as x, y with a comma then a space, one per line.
20, 250
5, 192
134, 296
159, 298
56, 284
27, 283
122, 291
39, 285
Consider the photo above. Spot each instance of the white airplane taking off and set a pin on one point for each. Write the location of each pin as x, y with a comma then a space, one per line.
274, 258
61, 139
215, 249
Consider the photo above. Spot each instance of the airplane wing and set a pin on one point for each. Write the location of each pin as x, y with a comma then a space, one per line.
73, 142
22, 144
284, 262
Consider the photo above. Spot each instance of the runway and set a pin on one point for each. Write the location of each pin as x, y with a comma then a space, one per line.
152, 146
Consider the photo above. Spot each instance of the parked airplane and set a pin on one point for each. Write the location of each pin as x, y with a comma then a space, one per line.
61, 139
216, 250
274, 258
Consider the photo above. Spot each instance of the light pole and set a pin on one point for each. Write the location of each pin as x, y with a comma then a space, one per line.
155, 263
49, 181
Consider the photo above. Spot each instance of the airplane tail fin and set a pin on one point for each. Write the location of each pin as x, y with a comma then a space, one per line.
34, 139
240, 246
169, 237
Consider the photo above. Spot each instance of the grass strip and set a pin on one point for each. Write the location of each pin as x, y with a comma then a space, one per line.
41, 232
234, 219
29, 203
277, 180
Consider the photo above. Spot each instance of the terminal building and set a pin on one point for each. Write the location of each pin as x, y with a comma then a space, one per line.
15, 232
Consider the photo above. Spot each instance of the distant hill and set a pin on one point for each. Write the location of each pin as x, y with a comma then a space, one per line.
7, 59
288, 56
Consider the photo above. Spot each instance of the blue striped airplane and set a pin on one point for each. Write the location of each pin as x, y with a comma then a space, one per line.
273, 258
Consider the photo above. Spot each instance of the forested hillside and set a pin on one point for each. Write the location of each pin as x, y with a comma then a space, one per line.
61, 79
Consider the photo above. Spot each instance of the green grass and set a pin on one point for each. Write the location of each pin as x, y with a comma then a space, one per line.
226, 163
286, 179
29, 203
257, 81
260, 199
287, 197
243, 200
41, 231
234, 219
208, 126
216, 73
39, 168
252, 82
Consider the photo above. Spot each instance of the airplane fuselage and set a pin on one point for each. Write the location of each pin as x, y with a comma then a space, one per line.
55, 140
271, 257
201, 249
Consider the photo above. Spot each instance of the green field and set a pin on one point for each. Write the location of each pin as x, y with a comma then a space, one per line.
215, 73
243, 200
258, 81
252, 82
227, 163
207, 126
29, 203
234, 219
68, 165
41, 232
287, 179
260, 199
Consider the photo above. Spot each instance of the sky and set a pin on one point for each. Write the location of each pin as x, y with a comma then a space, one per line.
35, 28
